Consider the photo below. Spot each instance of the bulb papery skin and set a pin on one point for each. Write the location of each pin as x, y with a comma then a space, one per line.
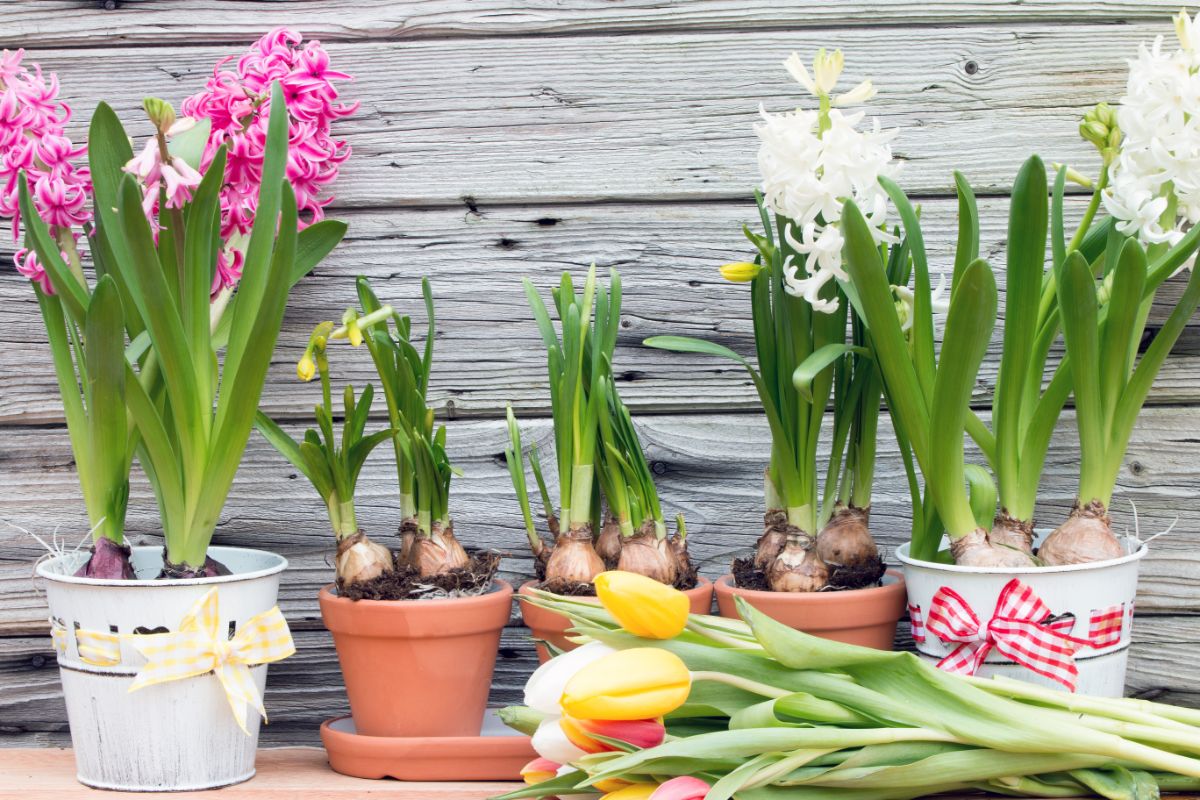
1011, 532
359, 559
608, 544
798, 568
645, 554
1085, 537
408, 535
773, 539
975, 550
437, 553
574, 559
846, 539
109, 561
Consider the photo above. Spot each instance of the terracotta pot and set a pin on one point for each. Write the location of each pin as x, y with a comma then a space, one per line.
418, 667
864, 617
550, 627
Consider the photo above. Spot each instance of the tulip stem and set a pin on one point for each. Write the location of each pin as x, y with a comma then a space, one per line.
741, 683
720, 638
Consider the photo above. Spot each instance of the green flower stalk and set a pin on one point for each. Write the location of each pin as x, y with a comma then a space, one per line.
192, 382
424, 472
333, 467
634, 536
804, 360
576, 366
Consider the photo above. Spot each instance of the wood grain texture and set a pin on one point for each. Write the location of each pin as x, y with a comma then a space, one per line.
488, 352
661, 117
87, 23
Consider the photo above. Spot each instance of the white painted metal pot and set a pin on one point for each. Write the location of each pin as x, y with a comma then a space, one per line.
174, 736
1091, 602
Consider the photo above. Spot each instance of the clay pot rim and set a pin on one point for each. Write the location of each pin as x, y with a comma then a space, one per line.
514, 741
701, 583
724, 585
499, 586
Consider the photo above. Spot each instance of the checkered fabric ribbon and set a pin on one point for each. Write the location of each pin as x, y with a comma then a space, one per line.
198, 647
916, 622
1105, 626
1021, 628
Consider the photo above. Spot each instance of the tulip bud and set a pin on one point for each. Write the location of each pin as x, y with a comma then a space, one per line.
641, 733
642, 605
639, 683
160, 112
740, 271
685, 787
538, 770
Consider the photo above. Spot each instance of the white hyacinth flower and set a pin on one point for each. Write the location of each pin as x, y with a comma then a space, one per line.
906, 302
811, 162
1158, 165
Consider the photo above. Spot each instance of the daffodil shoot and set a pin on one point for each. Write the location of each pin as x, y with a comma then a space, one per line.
750, 708
812, 347
609, 514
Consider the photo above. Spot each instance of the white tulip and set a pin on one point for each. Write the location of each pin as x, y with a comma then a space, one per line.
550, 742
545, 686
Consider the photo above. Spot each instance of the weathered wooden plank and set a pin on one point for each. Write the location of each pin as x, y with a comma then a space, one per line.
75, 23
708, 467
488, 351
650, 117
307, 688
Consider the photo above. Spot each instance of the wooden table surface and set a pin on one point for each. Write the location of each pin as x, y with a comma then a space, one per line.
294, 773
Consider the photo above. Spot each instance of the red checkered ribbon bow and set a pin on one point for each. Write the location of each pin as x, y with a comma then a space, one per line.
1020, 629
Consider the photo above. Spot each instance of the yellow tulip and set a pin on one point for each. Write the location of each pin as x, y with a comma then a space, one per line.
642, 605
640, 683
740, 271
637, 791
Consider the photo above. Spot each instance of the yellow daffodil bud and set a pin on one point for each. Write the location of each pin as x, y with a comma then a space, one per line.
635, 791
640, 683
642, 605
306, 369
740, 271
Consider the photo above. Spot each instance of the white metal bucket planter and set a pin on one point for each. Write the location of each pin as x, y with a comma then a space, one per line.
171, 736
1062, 627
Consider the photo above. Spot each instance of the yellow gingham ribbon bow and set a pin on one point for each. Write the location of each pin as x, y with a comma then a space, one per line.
199, 647
100, 649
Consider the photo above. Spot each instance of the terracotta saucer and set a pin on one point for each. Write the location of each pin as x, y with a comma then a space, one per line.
496, 754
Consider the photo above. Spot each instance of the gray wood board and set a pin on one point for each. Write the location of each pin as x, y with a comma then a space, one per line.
488, 352
76, 23
650, 117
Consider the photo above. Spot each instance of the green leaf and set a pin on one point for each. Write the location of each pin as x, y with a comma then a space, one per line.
1026, 252
362, 448
818, 361
37, 236
877, 308
1121, 331
1078, 308
200, 256
104, 332
257, 268
921, 333
189, 145
288, 447
968, 330
983, 495
313, 244
967, 248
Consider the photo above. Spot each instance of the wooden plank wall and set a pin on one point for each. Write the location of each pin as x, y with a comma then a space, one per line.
498, 139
